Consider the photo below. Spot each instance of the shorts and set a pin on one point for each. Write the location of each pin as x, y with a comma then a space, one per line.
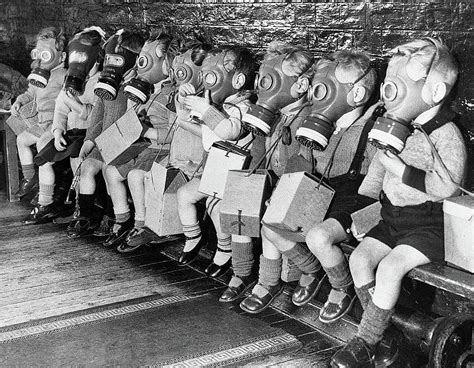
49, 153
144, 161
420, 226
95, 154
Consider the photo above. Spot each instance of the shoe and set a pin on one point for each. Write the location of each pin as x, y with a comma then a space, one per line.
261, 298
356, 354
238, 285
214, 270
41, 214
303, 294
138, 237
80, 226
105, 227
27, 185
187, 257
35, 199
386, 352
120, 234
339, 302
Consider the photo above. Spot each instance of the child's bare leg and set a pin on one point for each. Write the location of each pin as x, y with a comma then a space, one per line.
24, 141
89, 169
46, 184
118, 192
136, 184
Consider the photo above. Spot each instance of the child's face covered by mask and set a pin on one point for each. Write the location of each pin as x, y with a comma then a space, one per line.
45, 57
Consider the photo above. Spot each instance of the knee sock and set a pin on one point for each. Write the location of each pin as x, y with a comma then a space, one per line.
374, 322
270, 271
120, 218
339, 275
46, 192
193, 236
28, 171
364, 293
224, 250
303, 258
86, 205
242, 258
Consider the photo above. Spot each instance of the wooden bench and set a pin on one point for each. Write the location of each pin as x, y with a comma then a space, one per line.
11, 158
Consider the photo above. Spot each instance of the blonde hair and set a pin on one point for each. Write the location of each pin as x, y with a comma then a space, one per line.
54, 33
298, 59
354, 65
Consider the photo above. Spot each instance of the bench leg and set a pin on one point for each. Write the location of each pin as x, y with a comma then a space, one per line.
11, 161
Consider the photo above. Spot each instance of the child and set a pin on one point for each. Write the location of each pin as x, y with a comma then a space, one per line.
125, 45
228, 75
349, 82
69, 120
153, 63
411, 187
185, 147
293, 66
46, 80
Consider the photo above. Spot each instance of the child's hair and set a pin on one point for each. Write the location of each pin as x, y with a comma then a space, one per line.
54, 33
131, 41
353, 65
169, 45
297, 59
244, 62
434, 58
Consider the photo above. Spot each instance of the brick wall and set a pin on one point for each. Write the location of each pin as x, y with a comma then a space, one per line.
321, 26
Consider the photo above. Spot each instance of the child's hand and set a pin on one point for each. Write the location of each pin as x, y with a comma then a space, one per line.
357, 236
370, 111
197, 105
15, 109
392, 163
59, 141
86, 148
184, 90
74, 103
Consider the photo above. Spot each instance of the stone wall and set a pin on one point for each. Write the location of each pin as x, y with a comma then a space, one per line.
321, 26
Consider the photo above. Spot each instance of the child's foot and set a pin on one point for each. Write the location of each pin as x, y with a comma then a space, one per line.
356, 354
261, 298
191, 249
119, 232
41, 214
308, 286
220, 263
339, 302
238, 285
105, 227
80, 226
27, 185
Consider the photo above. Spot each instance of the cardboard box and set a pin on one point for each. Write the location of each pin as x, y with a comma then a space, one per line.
243, 202
121, 142
223, 156
459, 232
367, 217
27, 119
161, 201
297, 204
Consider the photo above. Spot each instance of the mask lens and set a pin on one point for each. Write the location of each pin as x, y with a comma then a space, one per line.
319, 92
181, 74
46, 56
266, 82
210, 79
34, 54
142, 62
389, 91
114, 60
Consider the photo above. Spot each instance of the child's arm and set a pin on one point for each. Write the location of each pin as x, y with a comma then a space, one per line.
59, 126
372, 183
23, 99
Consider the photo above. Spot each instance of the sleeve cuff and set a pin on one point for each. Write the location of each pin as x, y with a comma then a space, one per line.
414, 178
212, 117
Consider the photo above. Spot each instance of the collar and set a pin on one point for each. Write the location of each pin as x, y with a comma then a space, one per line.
427, 115
288, 109
349, 118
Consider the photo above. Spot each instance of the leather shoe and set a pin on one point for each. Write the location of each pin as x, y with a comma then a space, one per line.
386, 352
261, 298
339, 302
214, 270
119, 235
232, 293
41, 214
187, 257
303, 294
27, 185
80, 226
356, 354
105, 227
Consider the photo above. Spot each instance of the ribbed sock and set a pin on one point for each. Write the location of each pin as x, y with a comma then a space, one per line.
139, 224
303, 258
28, 171
364, 293
242, 258
224, 250
374, 322
120, 218
86, 205
269, 272
46, 192
193, 236
339, 276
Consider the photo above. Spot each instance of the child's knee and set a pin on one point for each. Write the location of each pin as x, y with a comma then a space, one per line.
360, 259
270, 235
317, 238
89, 168
135, 176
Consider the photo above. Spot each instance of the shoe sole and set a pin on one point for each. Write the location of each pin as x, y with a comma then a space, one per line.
242, 293
128, 249
342, 315
388, 363
116, 242
262, 309
312, 295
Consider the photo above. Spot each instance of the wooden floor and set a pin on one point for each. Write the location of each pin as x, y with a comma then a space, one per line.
45, 274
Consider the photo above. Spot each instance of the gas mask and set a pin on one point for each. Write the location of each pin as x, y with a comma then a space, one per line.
274, 92
217, 76
151, 69
84, 52
45, 58
185, 71
403, 97
116, 64
330, 100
